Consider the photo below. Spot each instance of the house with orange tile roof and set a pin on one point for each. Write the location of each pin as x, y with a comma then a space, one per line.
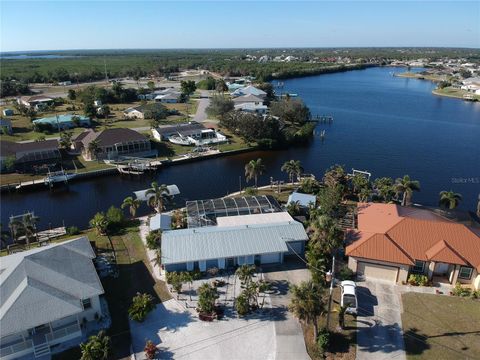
391, 242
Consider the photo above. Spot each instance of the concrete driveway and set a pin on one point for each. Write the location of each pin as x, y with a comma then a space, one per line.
288, 331
203, 102
379, 322
181, 335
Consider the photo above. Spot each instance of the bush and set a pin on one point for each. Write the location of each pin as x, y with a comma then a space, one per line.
323, 340
346, 273
142, 304
72, 230
418, 280
153, 240
241, 305
250, 191
459, 290
150, 350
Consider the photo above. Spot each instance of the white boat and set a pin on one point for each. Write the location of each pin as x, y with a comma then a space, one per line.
58, 176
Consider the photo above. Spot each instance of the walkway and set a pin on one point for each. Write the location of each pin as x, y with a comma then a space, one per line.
379, 322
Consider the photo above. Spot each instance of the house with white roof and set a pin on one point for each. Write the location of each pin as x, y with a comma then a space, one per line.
47, 297
237, 231
249, 90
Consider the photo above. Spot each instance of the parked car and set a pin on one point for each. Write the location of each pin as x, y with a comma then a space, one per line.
349, 297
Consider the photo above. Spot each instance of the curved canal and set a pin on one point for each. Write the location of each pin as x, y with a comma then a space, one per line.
387, 125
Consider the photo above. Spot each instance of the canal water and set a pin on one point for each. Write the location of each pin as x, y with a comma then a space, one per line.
387, 125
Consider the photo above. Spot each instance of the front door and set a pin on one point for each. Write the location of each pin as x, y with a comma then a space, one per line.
440, 269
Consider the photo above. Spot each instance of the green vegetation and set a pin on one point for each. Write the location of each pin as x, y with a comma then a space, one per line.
253, 169
98, 347
207, 295
440, 327
142, 305
449, 199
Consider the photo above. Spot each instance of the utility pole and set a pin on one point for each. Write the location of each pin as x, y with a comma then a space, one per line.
332, 280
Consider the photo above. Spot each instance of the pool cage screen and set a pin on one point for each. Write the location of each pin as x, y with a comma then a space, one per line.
205, 212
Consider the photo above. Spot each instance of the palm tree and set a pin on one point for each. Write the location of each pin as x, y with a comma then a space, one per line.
29, 225
327, 235
253, 169
292, 168
98, 347
94, 148
132, 204
100, 223
158, 193
307, 304
157, 261
406, 187
449, 199
294, 208
245, 273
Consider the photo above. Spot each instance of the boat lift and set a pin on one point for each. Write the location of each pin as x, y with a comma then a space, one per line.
134, 165
365, 174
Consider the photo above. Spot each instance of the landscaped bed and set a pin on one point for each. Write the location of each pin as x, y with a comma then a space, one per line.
441, 327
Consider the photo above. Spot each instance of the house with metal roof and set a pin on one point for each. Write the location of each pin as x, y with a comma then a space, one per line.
249, 90
63, 122
257, 237
391, 242
47, 296
112, 143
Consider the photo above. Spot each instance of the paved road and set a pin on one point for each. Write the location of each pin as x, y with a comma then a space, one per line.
379, 322
288, 331
203, 103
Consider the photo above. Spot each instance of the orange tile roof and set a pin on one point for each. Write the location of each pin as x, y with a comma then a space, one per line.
387, 232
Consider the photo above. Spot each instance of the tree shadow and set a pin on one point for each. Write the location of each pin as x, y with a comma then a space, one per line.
379, 338
415, 342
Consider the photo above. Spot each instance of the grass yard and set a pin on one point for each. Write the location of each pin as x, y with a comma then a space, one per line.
441, 327
454, 92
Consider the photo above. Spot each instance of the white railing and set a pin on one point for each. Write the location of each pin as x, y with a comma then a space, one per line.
12, 349
60, 333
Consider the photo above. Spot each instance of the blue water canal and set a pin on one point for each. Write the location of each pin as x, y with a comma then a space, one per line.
387, 125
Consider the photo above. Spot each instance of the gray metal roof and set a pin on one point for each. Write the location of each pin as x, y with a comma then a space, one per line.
46, 284
179, 246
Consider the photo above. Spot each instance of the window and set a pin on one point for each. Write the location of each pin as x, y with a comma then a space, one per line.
419, 266
87, 304
465, 273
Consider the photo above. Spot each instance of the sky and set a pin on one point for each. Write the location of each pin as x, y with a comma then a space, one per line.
69, 24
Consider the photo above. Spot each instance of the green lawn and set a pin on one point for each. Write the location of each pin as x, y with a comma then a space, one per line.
441, 327
453, 92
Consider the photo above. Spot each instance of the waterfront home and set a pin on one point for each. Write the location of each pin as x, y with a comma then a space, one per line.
188, 134
228, 232
29, 153
391, 242
303, 200
6, 127
37, 101
249, 98
249, 90
48, 297
111, 143
63, 122
253, 108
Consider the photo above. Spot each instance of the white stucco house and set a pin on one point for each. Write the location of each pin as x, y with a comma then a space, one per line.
48, 295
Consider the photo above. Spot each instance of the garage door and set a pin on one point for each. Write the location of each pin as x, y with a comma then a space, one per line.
295, 247
270, 258
375, 271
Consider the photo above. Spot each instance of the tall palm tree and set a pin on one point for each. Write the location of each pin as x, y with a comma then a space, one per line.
253, 169
132, 204
100, 223
307, 304
29, 224
449, 199
158, 193
406, 187
94, 148
292, 168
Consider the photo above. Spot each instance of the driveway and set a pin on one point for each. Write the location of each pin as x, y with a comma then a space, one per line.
203, 102
379, 322
288, 331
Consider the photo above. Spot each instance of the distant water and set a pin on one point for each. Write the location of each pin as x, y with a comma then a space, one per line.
387, 125
32, 56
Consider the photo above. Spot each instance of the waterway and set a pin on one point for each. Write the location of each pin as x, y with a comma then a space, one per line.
387, 125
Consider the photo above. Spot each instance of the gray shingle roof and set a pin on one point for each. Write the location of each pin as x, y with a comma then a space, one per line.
46, 284
179, 246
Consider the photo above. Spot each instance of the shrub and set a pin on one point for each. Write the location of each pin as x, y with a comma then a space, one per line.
142, 304
241, 305
459, 290
418, 280
249, 191
476, 294
150, 350
207, 295
153, 240
346, 273
72, 230
323, 340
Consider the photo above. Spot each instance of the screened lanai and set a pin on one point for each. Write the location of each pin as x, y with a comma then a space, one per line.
205, 212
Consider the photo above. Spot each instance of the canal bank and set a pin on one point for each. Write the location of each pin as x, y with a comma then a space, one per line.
387, 125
